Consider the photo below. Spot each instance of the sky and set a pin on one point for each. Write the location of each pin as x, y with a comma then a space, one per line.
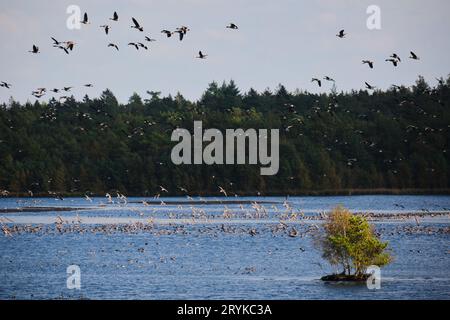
283, 41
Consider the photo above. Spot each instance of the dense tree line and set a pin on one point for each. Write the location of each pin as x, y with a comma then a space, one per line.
394, 139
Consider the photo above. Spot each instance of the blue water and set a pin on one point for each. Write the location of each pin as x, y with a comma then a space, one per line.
202, 262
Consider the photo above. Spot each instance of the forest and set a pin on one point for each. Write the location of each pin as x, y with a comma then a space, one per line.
331, 143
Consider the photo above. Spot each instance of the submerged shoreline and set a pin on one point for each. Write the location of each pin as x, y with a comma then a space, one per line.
270, 193
152, 218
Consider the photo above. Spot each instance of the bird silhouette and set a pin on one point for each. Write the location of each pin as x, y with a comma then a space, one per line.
167, 33
136, 25
149, 39
341, 34
134, 44
85, 19
394, 61
114, 46
35, 49
5, 85
180, 33
201, 55
329, 79
370, 87
395, 56
115, 17
106, 28
232, 26
368, 62
140, 44
70, 45
318, 81
62, 48
38, 93
56, 42
414, 56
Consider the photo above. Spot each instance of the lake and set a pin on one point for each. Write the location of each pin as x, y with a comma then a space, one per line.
213, 247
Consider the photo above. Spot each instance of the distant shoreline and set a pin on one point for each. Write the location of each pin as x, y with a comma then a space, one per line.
293, 193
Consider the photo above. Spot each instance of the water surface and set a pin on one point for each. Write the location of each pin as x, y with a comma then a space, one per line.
205, 251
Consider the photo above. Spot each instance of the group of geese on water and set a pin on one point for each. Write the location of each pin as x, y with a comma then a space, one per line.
291, 222
289, 218
68, 46
394, 59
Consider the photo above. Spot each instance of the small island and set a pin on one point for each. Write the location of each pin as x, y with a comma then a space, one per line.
350, 242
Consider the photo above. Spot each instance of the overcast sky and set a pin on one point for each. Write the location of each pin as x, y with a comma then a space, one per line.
283, 41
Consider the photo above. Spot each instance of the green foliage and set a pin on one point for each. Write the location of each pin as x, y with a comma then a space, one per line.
396, 139
350, 241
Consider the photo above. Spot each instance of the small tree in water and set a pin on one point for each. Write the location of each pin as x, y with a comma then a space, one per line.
349, 241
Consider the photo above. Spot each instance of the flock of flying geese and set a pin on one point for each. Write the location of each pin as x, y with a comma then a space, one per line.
68, 46
394, 59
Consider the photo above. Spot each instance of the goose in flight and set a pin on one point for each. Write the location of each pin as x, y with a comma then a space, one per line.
201, 55
69, 45
134, 44
341, 34
114, 46
163, 189
5, 85
394, 61
89, 85
67, 89
38, 94
56, 42
55, 90
329, 79
149, 39
136, 25
140, 44
370, 63
40, 90
106, 28
180, 33
167, 33
183, 29
370, 87
395, 56
35, 49
115, 17
222, 190
232, 26
414, 56
318, 81
85, 19
62, 48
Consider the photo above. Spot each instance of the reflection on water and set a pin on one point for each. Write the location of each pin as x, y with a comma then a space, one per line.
215, 260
